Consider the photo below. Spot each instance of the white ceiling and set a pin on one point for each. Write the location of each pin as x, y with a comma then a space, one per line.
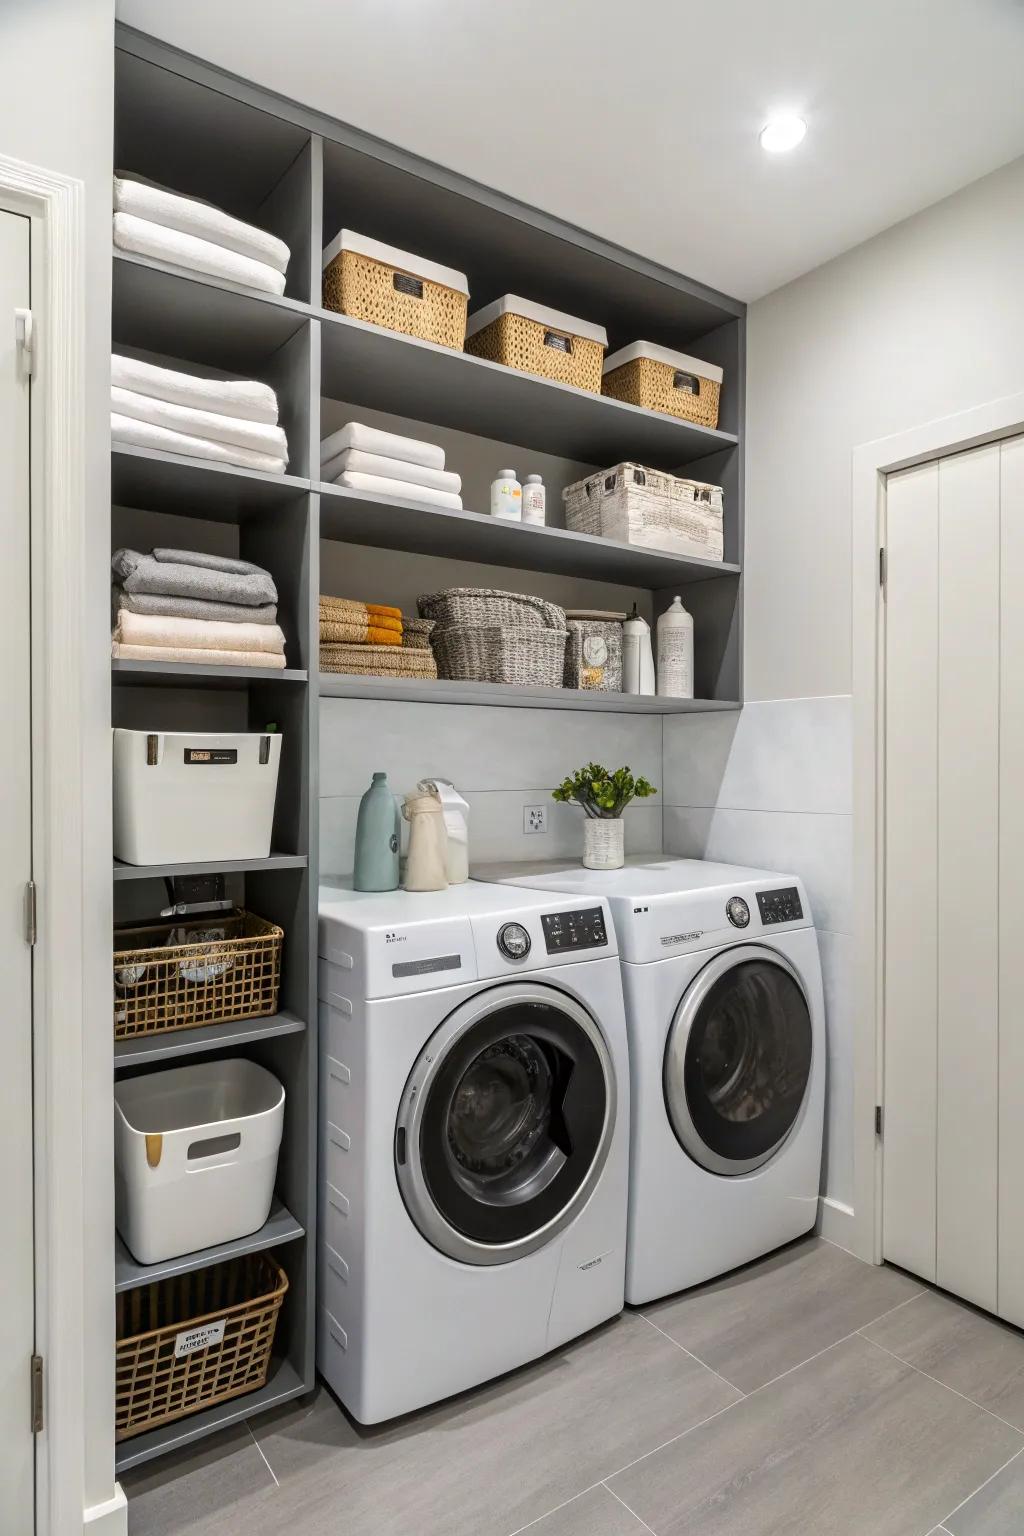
638, 119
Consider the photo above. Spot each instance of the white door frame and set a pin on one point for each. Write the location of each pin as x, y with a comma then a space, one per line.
55, 206
872, 462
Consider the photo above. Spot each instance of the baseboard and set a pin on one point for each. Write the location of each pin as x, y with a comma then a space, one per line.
836, 1222
109, 1518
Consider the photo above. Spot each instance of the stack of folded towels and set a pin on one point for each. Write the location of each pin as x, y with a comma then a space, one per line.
233, 421
150, 220
373, 640
182, 605
362, 458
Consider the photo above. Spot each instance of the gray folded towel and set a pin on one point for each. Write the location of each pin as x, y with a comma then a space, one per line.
190, 608
250, 587
208, 562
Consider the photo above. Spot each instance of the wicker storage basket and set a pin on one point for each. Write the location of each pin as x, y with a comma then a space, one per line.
649, 509
489, 605
527, 336
195, 1340
160, 986
394, 289
530, 656
659, 380
593, 654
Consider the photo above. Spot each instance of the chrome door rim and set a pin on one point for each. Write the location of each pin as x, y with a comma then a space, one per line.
411, 1179
676, 1106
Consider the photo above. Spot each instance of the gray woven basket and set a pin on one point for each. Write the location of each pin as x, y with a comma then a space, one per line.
526, 656
489, 606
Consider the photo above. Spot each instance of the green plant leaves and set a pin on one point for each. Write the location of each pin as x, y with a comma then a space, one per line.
600, 793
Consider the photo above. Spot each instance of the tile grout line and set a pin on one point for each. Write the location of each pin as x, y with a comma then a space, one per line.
970, 1496
627, 1509
962, 1395
691, 1355
554, 1510
259, 1447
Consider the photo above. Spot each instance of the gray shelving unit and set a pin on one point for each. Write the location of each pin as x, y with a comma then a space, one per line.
289, 169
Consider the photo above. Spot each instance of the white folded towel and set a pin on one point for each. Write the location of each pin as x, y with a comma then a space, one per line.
389, 444
196, 634
181, 418
194, 217
379, 485
392, 469
245, 398
143, 434
172, 245
209, 658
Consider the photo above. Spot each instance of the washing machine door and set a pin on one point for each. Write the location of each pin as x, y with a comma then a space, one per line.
738, 1060
505, 1123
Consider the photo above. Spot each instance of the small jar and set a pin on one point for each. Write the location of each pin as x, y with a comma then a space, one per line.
534, 498
507, 497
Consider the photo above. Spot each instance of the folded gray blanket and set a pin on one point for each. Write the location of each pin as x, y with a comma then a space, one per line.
190, 608
241, 583
208, 562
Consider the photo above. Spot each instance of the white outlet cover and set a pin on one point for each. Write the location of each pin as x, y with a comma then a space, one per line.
535, 819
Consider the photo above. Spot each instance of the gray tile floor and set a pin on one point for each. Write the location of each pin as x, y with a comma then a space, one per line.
806, 1393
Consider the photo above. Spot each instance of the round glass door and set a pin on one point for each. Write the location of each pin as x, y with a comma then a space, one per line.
505, 1124
738, 1060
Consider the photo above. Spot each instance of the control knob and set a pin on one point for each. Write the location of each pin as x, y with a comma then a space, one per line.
513, 941
737, 911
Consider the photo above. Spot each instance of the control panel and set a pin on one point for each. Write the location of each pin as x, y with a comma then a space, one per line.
574, 930
780, 906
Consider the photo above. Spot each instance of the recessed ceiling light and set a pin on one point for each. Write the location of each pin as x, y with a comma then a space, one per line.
782, 133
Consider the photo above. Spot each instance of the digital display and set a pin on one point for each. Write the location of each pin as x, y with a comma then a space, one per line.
780, 906
574, 930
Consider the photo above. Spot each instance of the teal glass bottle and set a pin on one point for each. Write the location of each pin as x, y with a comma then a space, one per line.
378, 838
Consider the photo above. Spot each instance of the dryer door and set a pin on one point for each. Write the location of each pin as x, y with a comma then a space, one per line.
738, 1060
505, 1123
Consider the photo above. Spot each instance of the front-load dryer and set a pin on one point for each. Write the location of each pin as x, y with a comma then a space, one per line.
726, 1024
474, 1137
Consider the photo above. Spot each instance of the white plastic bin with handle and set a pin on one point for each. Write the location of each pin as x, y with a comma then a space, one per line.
195, 1156
183, 796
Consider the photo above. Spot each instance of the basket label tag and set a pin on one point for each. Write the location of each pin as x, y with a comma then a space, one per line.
560, 343
687, 382
204, 756
406, 284
191, 1339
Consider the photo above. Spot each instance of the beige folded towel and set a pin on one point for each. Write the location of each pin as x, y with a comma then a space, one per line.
196, 634
197, 657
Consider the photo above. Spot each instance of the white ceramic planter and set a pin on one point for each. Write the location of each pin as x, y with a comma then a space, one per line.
604, 843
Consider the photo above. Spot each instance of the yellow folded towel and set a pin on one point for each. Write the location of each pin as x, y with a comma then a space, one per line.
336, 607
358, 633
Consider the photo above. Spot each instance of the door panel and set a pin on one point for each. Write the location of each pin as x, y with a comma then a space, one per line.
1011, 888
911, 930
16, 1259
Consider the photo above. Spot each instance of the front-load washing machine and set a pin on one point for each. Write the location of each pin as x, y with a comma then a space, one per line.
726, 1026
474, 1137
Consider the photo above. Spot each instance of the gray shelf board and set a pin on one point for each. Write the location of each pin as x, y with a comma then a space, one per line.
168, 309
279, 1227
283, 1384
355, 517
172, 482
367, 365
334, 685
209, 867
186, 674
178, 1044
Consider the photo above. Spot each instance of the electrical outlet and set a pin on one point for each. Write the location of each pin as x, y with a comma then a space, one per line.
535, 818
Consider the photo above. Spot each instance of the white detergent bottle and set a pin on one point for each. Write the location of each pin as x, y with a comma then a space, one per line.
637, 656
456, 821
675, 652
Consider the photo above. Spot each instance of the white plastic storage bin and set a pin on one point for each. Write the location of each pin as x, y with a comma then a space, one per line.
183, 797
195, 1156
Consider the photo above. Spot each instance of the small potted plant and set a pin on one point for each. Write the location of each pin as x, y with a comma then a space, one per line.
603, 796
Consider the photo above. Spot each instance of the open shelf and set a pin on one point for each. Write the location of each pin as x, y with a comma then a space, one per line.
357, 517
283, 1384
335, 685
209, 867
173, 482
279, 1227
187, 674
366, 365
177, 1045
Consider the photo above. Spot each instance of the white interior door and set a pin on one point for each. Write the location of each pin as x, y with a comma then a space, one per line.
16, 1249
953, 1154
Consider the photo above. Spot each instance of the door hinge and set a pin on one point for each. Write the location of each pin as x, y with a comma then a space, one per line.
882, 567
24, 334
37, 1394
31, 921
879, 1119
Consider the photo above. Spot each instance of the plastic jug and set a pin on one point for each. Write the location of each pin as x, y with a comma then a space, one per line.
426, 865
378, 836
456, 823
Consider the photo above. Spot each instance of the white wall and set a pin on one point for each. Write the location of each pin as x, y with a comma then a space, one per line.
56, 111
